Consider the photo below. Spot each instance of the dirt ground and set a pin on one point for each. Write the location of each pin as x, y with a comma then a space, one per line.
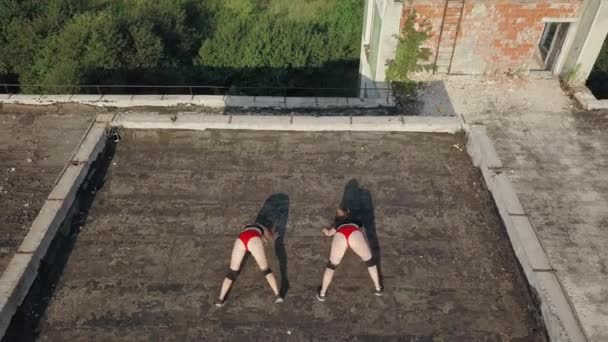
148, 263
34, 148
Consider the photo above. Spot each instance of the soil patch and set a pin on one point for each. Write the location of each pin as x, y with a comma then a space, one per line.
148, 263
34, 149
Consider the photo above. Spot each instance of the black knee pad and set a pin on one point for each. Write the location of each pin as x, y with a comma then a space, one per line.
266, 271
371, 262
232, 274
331, 265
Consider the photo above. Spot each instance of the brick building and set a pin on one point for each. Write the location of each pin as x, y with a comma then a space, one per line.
485, 36
552, 37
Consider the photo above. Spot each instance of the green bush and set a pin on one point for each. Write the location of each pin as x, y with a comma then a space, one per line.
253, 47
88, 42
233, 43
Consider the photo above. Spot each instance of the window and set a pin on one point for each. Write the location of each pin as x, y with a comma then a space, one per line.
551, 43
547, 39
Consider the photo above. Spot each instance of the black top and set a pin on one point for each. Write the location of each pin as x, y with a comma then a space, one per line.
255, 226
347, 220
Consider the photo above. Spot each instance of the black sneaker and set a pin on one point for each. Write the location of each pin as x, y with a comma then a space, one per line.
379, 292
278, 300
220, 303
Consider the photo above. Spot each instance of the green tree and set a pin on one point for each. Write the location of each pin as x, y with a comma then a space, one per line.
260, 43
269, 49
24, 26
87, 48
146, 48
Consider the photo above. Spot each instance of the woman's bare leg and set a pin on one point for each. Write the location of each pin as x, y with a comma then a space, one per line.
361, 248
238, 253
256, 247
338, 248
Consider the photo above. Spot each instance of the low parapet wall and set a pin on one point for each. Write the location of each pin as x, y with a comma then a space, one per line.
289, 123
211, 101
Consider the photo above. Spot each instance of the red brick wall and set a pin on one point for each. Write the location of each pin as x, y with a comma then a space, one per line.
496, 35
431, 10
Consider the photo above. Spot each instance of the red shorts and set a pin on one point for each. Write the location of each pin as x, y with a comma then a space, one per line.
247, 235
347, 229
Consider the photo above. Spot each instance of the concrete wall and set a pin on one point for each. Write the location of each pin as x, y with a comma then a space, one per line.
373, 72
209, 101
498, 35
591, 32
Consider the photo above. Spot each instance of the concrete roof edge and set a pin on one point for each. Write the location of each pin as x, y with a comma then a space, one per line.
289, 123
558, 313
22, 269
209, 101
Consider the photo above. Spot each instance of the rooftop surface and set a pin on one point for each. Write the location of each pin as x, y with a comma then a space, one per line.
560, 171
148, 262
556, 156
34, 148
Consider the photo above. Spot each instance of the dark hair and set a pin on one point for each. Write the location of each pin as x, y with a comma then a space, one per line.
266, 223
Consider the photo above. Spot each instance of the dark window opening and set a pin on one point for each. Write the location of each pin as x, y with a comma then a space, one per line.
551, 44
547, 39
598, 79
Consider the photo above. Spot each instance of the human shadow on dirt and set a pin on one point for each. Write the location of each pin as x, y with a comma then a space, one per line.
275, 211
25, 324
359, 201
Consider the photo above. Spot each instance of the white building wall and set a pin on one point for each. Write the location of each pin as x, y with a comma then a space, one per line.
373, 84
591, 31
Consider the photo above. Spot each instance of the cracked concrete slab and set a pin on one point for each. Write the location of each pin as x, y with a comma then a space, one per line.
558, 169
556, 158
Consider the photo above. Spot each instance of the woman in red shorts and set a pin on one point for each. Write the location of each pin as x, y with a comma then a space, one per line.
251, 239
347, 234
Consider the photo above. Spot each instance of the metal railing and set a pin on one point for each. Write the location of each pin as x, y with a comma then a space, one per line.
129, 89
